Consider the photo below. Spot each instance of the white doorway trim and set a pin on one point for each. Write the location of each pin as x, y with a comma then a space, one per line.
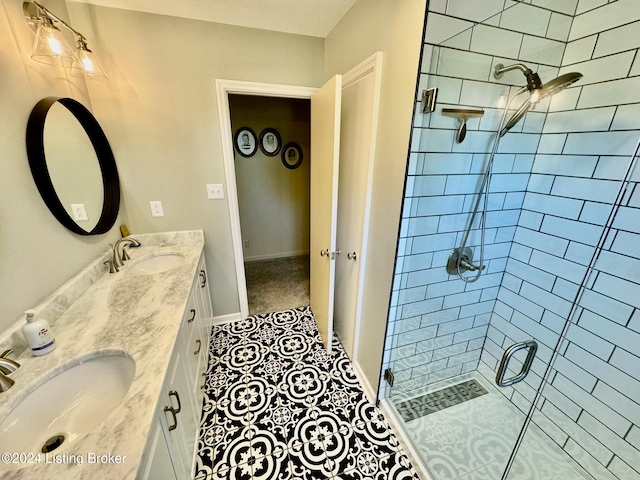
224, 88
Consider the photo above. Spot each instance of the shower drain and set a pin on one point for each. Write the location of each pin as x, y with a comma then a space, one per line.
439, 400
53, 443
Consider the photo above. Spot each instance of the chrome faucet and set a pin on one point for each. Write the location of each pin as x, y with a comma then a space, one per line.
118, 257
7, 366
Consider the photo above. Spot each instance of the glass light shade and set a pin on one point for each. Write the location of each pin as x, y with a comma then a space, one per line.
86, 63
51, 48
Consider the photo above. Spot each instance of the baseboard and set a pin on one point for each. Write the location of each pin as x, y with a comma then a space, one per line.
230, 317
395, 421
273, 256
366, 386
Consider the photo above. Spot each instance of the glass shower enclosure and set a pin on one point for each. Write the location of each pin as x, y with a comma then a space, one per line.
513, 340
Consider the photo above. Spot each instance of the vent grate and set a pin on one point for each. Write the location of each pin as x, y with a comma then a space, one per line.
439, 400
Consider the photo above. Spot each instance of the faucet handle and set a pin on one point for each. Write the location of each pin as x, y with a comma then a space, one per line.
5, 382
6, 364
112, 267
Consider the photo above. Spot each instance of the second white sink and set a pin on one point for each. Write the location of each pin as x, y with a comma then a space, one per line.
155, 263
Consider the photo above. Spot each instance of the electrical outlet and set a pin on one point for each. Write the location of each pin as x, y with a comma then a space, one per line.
245, 244
79, 212
215, 191
156, 209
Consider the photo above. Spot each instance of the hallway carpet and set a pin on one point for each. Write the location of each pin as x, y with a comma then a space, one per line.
277, 406
277, 284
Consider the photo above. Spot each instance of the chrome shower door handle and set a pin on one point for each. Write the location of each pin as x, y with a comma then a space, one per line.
526, 366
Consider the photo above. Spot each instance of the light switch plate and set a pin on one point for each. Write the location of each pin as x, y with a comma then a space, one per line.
79, 212
156, 209
215, 191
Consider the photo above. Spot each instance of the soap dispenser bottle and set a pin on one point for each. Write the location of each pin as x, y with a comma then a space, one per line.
38, 334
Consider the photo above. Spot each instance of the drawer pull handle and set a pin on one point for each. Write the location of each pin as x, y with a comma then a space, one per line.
175, 394
193, 315
199, 343
203, 275
175, 419
174, 411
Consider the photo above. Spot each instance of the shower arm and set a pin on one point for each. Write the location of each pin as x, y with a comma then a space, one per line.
533, 79
500, 69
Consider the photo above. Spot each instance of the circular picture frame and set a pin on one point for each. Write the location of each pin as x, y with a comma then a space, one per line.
291, 155
270, 142
245, 142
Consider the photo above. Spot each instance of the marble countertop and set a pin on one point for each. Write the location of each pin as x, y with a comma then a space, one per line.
138, 315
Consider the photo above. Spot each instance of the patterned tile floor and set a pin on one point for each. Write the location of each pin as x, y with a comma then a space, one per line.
277, 406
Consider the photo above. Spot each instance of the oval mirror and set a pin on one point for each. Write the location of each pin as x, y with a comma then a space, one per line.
73, 166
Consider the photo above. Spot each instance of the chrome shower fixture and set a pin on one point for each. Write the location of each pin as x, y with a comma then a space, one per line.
533, 80
537, 90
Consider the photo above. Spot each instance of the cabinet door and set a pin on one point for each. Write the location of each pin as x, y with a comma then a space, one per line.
157, 464
180, 425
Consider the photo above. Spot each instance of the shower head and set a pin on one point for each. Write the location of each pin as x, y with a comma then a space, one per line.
537, 90
558, 84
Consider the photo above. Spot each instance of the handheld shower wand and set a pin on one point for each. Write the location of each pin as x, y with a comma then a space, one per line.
460, 258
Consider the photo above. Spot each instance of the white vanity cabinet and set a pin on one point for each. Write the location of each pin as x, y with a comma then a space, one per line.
172, 442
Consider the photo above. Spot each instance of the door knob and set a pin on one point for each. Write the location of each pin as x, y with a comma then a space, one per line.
352, 256
324, 253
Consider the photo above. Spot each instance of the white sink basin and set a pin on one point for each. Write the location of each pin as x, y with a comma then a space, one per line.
155, 263
66, 406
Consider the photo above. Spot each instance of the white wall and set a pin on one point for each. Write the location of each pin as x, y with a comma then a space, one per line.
395, 29
37, 254
161, 105
273, 199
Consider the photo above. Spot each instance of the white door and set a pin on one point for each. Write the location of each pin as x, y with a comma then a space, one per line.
325, 151
355, 152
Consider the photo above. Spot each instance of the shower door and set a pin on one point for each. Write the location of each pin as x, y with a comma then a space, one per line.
589, 406
465, 360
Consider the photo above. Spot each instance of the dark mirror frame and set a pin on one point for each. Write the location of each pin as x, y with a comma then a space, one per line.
40, 171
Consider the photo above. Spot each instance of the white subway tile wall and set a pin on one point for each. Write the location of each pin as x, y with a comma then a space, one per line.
555, 178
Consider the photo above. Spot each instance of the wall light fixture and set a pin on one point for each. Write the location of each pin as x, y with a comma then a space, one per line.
51, 48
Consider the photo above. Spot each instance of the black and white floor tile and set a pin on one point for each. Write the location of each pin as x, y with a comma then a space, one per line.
277, 406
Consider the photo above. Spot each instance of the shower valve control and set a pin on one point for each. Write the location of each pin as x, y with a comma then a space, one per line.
464, 256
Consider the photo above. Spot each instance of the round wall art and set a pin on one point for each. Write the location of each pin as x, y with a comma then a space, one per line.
270, 142
245, 142
291, 155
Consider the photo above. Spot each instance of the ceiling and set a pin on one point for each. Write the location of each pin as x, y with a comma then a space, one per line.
304, 17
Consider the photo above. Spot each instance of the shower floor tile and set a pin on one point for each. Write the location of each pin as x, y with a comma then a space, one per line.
277, 406
473, 440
